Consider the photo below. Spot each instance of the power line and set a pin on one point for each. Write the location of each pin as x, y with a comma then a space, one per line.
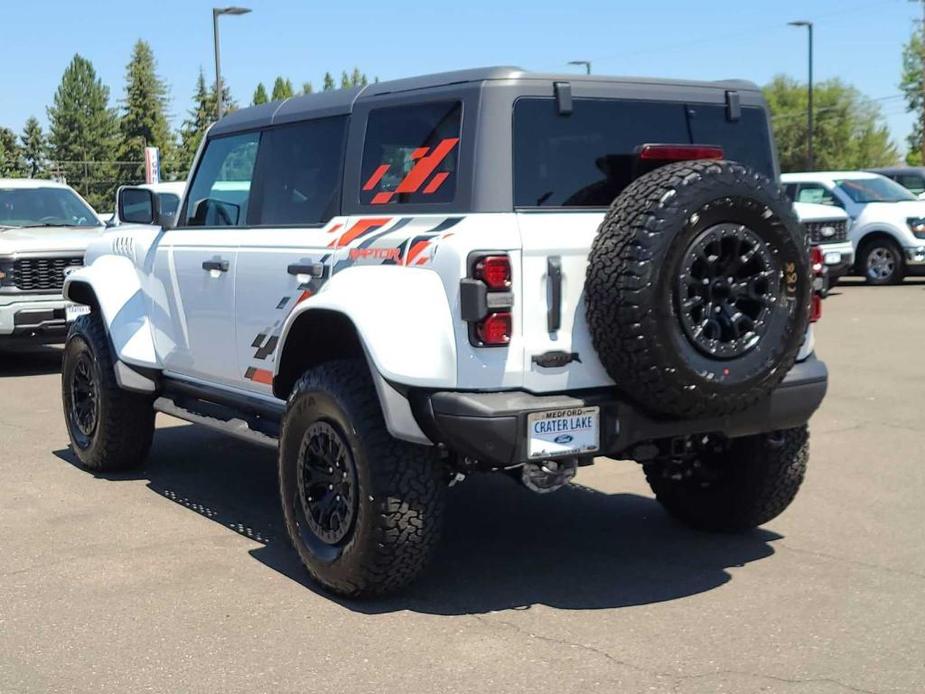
797, 114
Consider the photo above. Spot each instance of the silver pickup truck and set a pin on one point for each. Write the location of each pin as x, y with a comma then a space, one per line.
44, 230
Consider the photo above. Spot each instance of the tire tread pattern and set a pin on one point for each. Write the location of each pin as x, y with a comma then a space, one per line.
765, 474
408, 492
125, 426
621, 312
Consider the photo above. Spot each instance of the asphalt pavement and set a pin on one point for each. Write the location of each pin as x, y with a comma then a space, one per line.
178, 578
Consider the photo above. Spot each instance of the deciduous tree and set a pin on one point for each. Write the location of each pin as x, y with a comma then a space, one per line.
848, 133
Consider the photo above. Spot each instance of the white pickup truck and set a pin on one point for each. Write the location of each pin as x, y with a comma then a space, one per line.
45, 228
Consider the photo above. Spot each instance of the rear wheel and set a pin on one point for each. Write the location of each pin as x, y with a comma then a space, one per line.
733, 486
110, 428
882, 262
362, 509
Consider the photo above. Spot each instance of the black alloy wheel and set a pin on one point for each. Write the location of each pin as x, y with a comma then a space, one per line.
727, 287
326, 504
83, 401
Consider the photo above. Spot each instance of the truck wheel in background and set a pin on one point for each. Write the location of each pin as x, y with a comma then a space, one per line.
362, 509
110, 428
698, 288
881, 261
746, 483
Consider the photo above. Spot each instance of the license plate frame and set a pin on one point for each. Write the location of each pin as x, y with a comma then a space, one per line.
563, 432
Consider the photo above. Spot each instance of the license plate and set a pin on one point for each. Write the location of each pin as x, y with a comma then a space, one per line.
555, 433
73, 311
832, 258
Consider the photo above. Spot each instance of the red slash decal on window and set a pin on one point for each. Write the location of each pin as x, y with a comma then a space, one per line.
426, 162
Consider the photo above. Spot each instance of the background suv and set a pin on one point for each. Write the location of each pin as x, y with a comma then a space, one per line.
44, 230
887, 221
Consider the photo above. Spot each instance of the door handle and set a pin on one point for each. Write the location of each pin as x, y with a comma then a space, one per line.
310, 269
554, 313
218, 264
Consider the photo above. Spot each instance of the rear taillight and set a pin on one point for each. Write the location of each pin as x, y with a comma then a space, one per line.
494, 271
668, 153
485, 299
494, 329
818, 269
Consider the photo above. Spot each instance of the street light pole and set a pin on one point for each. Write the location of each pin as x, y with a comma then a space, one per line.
219, 91
586, 63
809, 109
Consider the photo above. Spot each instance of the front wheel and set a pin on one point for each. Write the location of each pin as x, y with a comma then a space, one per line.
735, 486
882, 262
362, 509
110, 428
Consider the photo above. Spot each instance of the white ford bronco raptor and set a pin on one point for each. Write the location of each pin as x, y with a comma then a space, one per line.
490, 270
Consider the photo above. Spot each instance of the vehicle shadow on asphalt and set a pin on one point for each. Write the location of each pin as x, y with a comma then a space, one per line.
503, 547
35, 361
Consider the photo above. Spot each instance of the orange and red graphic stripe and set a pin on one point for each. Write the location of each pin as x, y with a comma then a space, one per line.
425, 165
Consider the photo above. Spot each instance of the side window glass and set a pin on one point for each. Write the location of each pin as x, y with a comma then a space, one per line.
916, 184
411, 154
301, 183
811, 192
220, 190
790, 189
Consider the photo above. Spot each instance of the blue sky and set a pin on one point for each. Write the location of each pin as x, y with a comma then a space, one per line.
859, 41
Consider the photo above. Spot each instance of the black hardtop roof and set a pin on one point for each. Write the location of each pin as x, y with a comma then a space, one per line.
341, 101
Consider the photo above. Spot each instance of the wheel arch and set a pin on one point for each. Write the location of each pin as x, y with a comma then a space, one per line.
872, 235
301, 350
112, 287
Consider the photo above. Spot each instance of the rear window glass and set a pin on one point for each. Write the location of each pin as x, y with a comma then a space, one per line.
411, 154
302, 180
587, 158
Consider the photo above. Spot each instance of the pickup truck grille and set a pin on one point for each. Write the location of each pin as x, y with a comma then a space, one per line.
42, 274
838, 231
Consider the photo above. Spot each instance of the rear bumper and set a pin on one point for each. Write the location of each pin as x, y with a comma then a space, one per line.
492, 427
40, 319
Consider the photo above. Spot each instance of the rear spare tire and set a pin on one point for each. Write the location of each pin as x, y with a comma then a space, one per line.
698, 288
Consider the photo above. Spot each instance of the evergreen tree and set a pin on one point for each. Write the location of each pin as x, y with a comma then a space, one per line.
328, 83
84, 132
200, 117
34, 148
282, 89
344, 80
260, 95
144, 118
11, 163
358, 79
307, 88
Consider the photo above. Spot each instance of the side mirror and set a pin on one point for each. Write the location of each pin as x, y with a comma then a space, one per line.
141, 206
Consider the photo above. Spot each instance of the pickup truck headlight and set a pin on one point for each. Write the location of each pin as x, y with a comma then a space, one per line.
6, 272
917, 226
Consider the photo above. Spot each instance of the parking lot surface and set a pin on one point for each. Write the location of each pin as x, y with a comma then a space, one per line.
179, 578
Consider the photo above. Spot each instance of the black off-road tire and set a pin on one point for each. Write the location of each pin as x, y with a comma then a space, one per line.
883, 245
634, 292
124, 421
753, 481
397, 514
